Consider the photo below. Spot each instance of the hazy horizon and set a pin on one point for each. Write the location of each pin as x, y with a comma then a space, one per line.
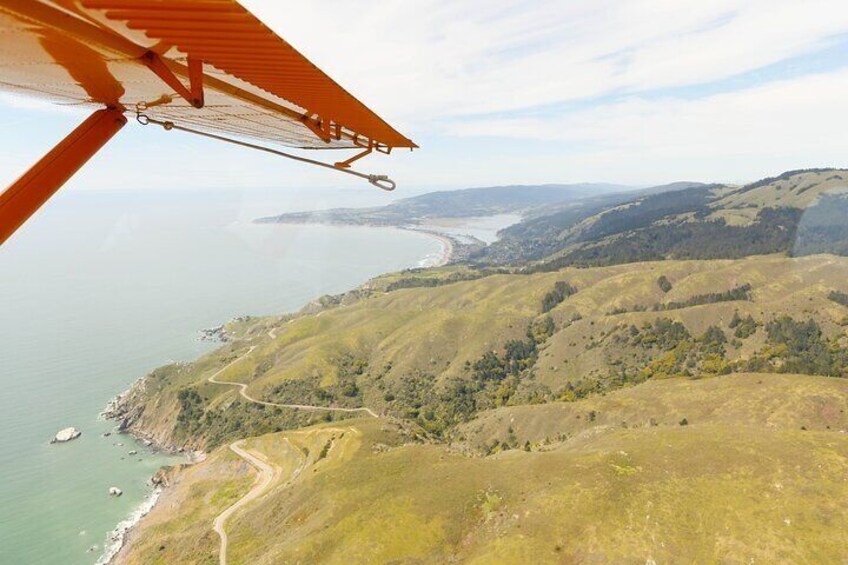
720, 92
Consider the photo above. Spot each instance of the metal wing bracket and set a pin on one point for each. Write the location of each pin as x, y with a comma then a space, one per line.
194, 93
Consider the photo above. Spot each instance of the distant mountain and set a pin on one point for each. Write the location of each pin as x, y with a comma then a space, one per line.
799, 212
671, 187
470, 202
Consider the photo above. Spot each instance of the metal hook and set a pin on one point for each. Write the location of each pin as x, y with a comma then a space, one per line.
382, 182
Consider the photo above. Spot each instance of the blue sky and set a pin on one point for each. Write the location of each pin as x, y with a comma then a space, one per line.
632, 91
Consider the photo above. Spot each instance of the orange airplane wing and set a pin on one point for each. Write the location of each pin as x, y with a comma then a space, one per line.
208, 66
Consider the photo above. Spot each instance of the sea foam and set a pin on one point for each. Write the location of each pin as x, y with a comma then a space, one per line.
116, 538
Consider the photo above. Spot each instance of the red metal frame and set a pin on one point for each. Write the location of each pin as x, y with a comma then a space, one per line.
42, 180
347, 162
318, 126
194, 93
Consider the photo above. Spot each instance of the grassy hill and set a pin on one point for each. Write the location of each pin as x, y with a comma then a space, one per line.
439, 355
180, 530
792, 189
797, 212
594, 408
756, 475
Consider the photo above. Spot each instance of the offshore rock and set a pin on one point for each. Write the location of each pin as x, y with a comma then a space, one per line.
65, 435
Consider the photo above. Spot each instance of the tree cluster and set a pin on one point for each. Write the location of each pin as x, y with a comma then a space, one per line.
560, 292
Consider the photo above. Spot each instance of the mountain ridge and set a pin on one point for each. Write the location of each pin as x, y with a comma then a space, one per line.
468, 202
702, 222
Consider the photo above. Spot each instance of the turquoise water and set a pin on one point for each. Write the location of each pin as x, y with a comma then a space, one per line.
101, 288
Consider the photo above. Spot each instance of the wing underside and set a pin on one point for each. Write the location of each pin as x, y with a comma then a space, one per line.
255, 85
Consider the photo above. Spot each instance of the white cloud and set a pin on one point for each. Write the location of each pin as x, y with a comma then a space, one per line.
468, 70
730, 136
427, 60
773, 117
514, 91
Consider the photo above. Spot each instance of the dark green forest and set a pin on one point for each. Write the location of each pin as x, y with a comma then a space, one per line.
671, 225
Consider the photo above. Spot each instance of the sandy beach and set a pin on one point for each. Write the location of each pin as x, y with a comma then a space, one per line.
446, 253
447, 248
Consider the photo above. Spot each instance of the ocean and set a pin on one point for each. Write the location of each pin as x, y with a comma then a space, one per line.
100, 288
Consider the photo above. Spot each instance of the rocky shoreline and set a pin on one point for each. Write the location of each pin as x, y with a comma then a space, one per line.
214, 334
121, 410
127, 414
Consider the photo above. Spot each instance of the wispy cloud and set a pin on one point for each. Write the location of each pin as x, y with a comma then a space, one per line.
507, 91
432, 59
621, 90
768, 116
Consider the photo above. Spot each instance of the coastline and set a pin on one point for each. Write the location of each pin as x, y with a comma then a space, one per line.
448, 247
457, 245
117, 540
447, 252
162, 297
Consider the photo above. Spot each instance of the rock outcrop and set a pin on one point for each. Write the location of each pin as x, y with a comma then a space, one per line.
65, 435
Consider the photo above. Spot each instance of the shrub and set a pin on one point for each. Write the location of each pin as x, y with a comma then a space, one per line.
326, 449
541, 329
746, 327
839, 297
713, 340
742, 292
561, 291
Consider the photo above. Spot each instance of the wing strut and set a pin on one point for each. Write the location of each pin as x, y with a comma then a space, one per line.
28, 193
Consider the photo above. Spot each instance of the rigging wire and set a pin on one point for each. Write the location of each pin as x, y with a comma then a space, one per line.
380, 181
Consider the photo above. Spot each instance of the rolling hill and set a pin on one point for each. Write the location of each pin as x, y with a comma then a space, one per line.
437, 356
613, 479
796, 212
589, 406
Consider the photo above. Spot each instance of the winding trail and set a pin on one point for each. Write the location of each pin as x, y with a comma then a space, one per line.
267, 472
243, 392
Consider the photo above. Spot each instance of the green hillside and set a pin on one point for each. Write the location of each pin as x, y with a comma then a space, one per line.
797, 212
756, 475
637, 412
439, 355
